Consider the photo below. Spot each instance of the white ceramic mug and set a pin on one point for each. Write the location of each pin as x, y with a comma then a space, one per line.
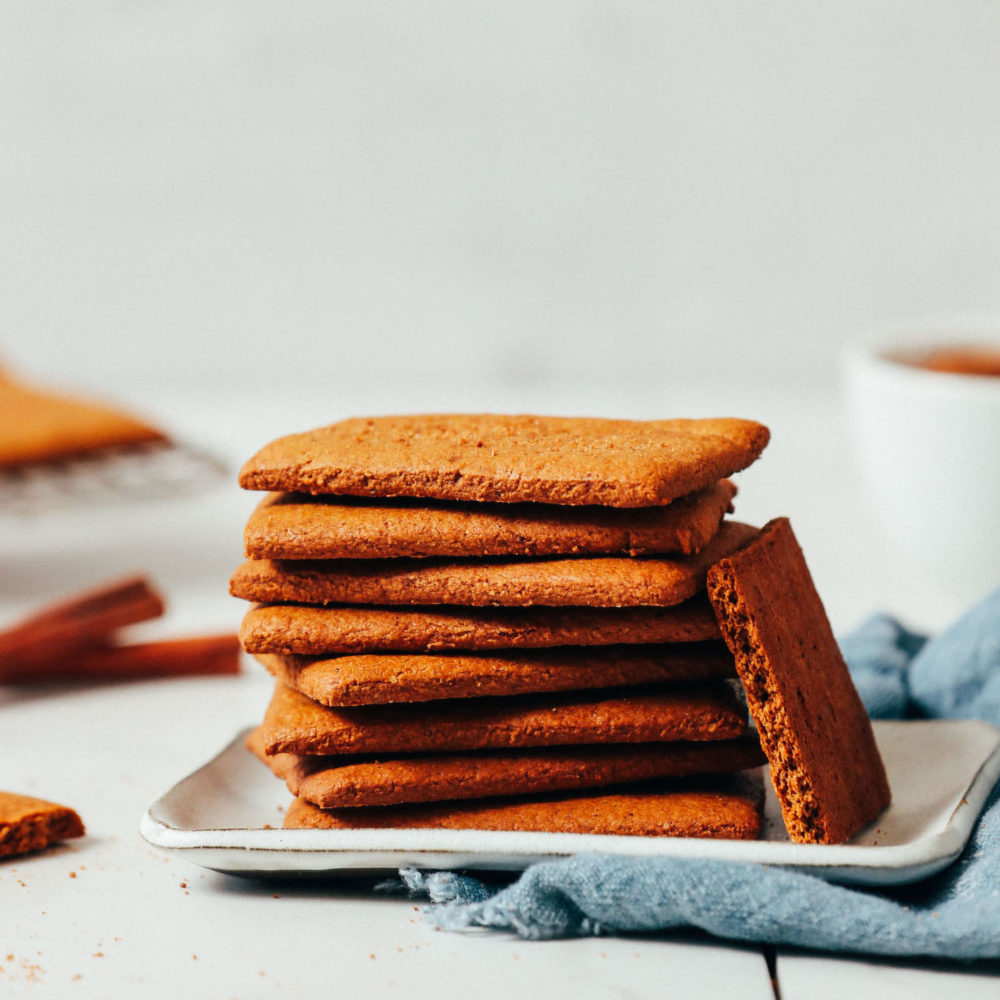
928, 445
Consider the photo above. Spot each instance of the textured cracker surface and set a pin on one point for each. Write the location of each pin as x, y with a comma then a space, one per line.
825, 765
294, 723
556, 460
376, 678
295, 526
590, 581
332, 782
679, 813
30, 824
302, 628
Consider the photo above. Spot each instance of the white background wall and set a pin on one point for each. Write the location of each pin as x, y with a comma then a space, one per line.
517, 191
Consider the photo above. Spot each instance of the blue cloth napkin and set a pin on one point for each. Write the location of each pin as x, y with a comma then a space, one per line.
955, 914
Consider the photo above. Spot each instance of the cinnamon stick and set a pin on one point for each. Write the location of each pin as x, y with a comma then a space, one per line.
200, 655
79, 622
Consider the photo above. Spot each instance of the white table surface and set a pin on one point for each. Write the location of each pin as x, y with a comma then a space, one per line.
110, 916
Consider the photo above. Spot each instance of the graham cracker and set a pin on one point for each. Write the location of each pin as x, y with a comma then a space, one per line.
309, 630
825, 765
670, 812
30, 824
294, 723
297, 526
589, 581
377, 678
336, 782
560, 460
41, 426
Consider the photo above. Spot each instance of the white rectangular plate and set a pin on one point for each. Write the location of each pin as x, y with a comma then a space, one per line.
227, 816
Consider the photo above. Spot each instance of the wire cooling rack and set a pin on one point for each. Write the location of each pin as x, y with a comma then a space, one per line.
146, 471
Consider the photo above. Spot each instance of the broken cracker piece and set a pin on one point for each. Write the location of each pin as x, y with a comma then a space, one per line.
825, 764
29, 824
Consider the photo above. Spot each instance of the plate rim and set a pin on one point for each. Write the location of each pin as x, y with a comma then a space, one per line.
875, 864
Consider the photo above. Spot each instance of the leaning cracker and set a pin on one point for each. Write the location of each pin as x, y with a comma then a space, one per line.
377, 678
560, 460
301, 628
295, 724
590, 581
30, 824
684, 812
825, 765
333, 782
296, 526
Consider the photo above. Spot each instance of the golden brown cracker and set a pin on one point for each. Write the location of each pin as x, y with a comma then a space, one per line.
377, 678
589, 581
825, 765
672, 812
309, 630
30, 824
556, 460
39, 426
296, 526
336, 782
294, 723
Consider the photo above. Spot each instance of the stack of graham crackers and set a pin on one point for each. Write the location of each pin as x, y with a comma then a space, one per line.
516, 623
